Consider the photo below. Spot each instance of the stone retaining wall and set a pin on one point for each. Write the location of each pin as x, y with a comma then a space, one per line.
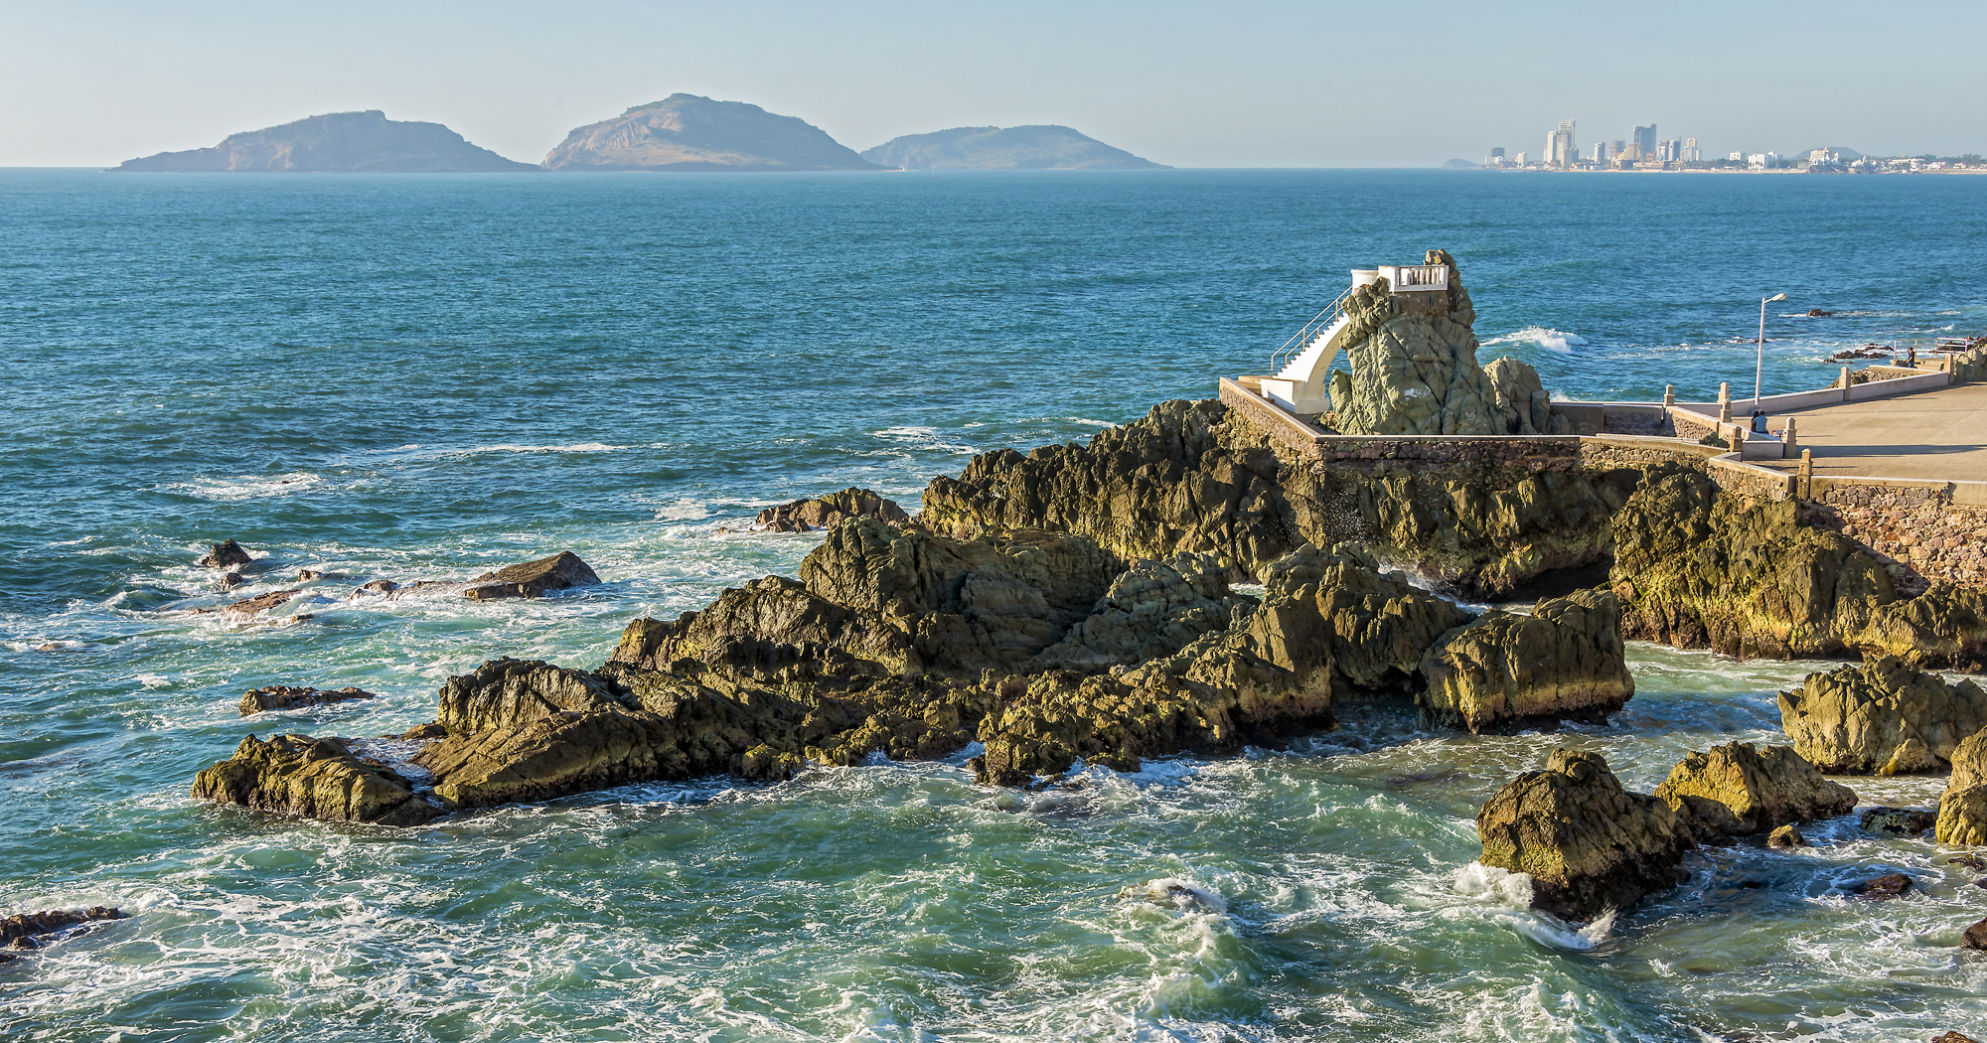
1918, 528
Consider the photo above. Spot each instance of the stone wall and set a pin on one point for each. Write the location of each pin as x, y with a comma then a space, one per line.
1689, 427
1917, 528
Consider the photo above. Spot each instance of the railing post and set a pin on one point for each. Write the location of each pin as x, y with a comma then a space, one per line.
1669, 395
1807, 486
1725, 402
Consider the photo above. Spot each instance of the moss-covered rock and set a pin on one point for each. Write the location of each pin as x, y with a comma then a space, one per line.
1588, 845
313, 778
1739, 789
1523, 406
1881, 718
1564, 660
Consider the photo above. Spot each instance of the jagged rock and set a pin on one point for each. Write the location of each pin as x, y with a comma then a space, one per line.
318, 575
1786, 836
248, 610
1414, 368
1523, 407
227, 554
1587, 844
1881, 888
1697, 567
1882, 717
1954, 1037
230, 580
21, 930
1897, 822
290, 697
1740, 789
1565, 660
377, 586
533, 578
313, 778
1152, 609
824, 512
1963, 808
1191, 476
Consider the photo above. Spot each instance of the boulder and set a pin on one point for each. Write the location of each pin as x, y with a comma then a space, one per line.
290, 697
1523, 407
532, 579
1881, 888
1588, 845
1786, 836
825, 512
1975, 938
1564, 660
1963, 808
227, 554
1739, 789
1898, 822
1882, 717
230, 580
1415, 375
313, 778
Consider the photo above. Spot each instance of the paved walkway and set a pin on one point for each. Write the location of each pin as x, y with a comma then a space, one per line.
1933, 434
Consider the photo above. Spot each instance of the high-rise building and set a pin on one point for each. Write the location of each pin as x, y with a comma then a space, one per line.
1599, 154
1645, 141
1691, 153
1559, 148
1520, 159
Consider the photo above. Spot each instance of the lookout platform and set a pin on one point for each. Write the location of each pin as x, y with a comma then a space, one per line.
1938, 434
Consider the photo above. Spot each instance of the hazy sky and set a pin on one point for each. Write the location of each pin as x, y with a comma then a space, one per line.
1234, 83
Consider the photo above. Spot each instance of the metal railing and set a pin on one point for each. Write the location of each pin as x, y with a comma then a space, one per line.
1302, 338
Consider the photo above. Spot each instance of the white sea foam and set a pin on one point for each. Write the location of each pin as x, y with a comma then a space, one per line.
249, 487
1540, 336
923, 438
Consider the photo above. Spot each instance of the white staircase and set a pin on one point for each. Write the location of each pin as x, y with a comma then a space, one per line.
1304, 362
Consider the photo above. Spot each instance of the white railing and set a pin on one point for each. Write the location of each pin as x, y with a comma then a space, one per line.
1302, 338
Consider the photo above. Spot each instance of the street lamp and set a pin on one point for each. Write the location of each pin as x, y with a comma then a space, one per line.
1759, 358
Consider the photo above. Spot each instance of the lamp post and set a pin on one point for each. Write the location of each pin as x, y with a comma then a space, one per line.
1759, 354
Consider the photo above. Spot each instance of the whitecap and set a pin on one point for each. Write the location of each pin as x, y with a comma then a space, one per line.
248, 487
1541, 336
921, 437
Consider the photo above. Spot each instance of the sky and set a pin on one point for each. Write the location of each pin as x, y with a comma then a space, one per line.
1242, 83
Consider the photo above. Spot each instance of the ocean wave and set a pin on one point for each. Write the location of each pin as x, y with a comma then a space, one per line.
1540, 336
923, 438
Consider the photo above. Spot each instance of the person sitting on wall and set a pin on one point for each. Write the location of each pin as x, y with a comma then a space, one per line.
1758, 422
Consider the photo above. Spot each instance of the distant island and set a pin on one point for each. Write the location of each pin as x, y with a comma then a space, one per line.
1004, 148
340, 142
685, 132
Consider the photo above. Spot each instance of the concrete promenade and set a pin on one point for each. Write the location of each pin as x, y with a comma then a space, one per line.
1938, 435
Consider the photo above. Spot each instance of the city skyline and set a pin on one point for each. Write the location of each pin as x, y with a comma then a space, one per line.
92, 84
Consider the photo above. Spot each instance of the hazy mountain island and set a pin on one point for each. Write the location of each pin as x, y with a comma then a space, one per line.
341, 142
1004, 148
684, 132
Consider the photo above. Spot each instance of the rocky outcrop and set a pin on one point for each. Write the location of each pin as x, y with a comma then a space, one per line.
227, 554
313, 778
1699, 568
1523, 407
1588, 845
825, 512
250, 610
1881, 718
1739, 789
1191, 476
1564, 660
24, 930
1897, 822
1416, 374
291, 697
1963, 809
533, 579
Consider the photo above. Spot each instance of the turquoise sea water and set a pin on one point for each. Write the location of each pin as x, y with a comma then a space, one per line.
423, 377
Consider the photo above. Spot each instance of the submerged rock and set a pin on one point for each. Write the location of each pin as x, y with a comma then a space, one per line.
825, 512
248, 610
290, 697
227, 554
1564, 660
1740, 789
22, 930
1881, 888
1786, 836
1975, 938
313, 778
1963, 808
1882, 718
1897, 822
1588, 845
532, 579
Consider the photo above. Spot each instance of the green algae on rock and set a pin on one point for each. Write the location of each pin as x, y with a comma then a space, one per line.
1740, 789
1881, 718
1963, 808
313, 778
1564, 660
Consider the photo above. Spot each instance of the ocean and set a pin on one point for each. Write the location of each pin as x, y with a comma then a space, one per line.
429, 376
